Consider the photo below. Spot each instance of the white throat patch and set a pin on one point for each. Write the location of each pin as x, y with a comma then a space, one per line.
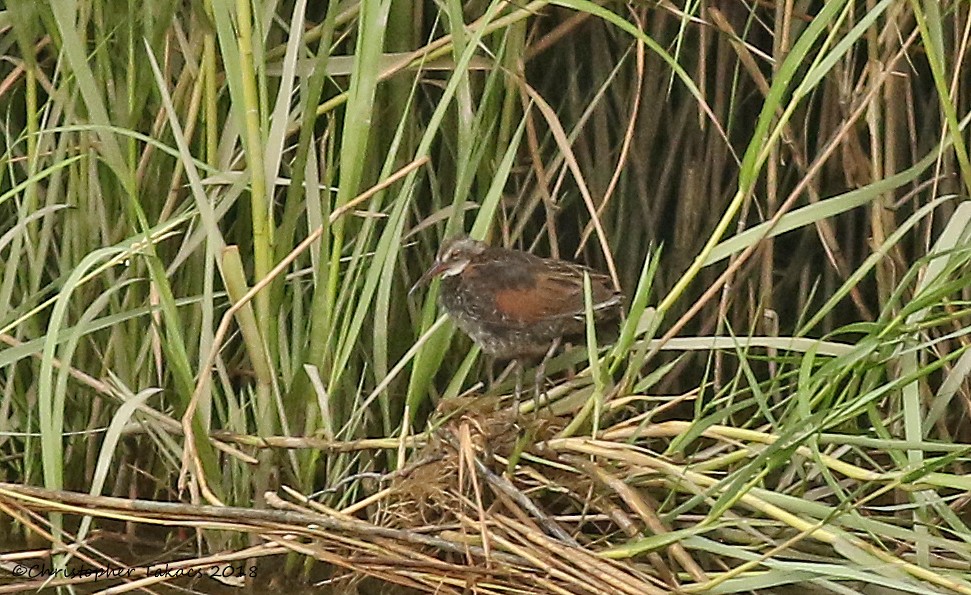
454, 268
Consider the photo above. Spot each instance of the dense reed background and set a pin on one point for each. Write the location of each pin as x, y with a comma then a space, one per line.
211, 213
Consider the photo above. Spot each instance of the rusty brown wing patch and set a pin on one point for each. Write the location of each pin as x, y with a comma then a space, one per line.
522, 305
550, 297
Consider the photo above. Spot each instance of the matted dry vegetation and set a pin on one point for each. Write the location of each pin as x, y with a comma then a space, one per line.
578, 514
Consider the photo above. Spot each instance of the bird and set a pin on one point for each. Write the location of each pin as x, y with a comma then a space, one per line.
516, 305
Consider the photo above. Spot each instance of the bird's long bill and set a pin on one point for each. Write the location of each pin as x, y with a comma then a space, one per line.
437, 269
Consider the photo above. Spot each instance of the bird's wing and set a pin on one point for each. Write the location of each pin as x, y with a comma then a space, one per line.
535, 290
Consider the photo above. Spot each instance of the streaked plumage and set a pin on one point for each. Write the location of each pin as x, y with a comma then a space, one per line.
514, 304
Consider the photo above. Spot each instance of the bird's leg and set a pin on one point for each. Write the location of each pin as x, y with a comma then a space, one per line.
519, 382
518, 396
506, 371
540, 379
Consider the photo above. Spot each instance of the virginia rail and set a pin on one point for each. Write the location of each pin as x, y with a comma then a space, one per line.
515, 305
